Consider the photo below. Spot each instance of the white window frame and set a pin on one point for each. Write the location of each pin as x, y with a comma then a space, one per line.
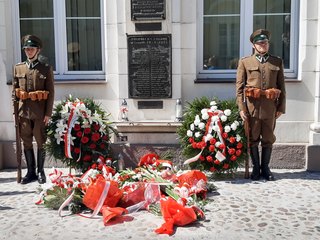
61, 72
246, 28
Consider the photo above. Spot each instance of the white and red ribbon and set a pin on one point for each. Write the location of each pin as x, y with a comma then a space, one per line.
209, 127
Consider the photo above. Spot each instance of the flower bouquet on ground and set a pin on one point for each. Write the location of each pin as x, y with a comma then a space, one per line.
154, 185
212, 136
79, 133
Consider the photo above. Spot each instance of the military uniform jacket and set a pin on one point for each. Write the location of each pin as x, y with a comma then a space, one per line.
38, 77
252, 73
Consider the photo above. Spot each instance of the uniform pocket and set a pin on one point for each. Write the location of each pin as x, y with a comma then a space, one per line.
254, 76
274, 70
22, 80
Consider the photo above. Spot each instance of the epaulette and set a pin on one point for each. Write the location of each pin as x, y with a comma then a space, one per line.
20, 63
245, 57
275, 56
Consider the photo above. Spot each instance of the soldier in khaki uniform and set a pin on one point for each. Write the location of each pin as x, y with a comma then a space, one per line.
261, 98
33, 85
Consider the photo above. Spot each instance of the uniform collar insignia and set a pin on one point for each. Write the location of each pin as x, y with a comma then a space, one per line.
263, 58
32, 64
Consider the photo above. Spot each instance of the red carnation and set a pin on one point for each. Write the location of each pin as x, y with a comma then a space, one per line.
87, 130
77, 150
222, 146
226, 166
216, 162
96, 127
92, 146
213, 141
76, 127
233, 158
102, 146
191, 140
231, 151
225, 135
194, 145
209, 159
238, 152
201, 158
232, 139
239, 145
212, 169
84, 139
212, 148
79, 134
87, 158
95, 137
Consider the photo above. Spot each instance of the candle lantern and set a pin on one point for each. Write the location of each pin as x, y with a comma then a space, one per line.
124, 111
178, 110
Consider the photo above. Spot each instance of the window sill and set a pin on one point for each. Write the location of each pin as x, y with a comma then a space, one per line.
80, 81
215, 80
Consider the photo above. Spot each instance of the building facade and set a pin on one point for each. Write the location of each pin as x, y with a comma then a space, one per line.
94, 46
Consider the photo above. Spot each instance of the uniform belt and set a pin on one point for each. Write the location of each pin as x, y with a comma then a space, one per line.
35, 95
271, 93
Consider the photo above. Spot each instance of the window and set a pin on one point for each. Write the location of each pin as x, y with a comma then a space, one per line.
71, 31
225, 27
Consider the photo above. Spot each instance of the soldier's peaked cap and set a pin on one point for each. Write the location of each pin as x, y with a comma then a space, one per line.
31, 41
260, 35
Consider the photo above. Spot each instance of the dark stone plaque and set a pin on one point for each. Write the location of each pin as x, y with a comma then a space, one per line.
148, 27
148, 9
149, 66
150, 104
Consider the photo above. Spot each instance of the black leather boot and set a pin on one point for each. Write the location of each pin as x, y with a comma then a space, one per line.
31, 166
41, 156
265, 160
254, 153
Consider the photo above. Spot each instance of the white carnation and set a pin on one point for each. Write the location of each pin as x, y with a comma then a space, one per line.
202, 125
197, 134
227, 129
208, 137
197, 120
192, 126
234, 126
205, 116
213, 108
189, 133
204, 111
212, 103
223, 118
238, 138
227, 112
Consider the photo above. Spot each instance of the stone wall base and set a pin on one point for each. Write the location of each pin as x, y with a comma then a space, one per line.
284, 156
313, 158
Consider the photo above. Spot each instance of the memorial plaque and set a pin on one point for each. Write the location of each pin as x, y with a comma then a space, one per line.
148, 9
149, 66
150, 104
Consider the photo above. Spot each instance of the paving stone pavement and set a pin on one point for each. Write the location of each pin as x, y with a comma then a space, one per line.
288, 208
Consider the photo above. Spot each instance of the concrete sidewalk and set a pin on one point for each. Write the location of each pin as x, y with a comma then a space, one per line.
288, 208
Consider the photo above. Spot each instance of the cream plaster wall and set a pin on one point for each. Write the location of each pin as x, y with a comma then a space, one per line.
181, 22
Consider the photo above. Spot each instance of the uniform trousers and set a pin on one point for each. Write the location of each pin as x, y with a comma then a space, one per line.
30, 128
261, 130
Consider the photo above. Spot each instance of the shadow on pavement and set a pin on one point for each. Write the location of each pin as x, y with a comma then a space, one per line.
5, 208
15, 193
238, 177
